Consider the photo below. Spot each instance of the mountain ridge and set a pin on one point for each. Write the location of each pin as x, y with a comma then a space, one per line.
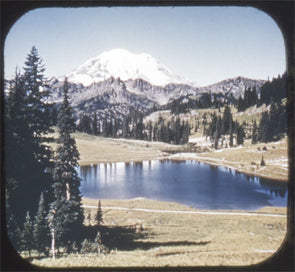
117, 80
115, 97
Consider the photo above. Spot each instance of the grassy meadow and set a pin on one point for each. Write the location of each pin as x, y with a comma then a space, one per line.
246, 158
151, 238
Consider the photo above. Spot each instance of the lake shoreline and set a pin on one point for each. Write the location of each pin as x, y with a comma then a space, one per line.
205, 160
159, 205
244, 159
238, 170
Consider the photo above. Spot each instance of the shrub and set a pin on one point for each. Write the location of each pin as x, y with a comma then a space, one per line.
86, 247
262, 162
94, 247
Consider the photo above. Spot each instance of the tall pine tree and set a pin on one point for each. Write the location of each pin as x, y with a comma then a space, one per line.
98, 215
66, 214
41, 228
27, 235
254, 133
28, 159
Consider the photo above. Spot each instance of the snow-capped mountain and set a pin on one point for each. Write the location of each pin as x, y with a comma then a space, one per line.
118, 81
120, 63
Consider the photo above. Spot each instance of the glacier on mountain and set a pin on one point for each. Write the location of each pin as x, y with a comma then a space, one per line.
120, 63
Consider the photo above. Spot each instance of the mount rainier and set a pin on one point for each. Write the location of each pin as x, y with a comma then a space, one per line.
120, 63
117, 81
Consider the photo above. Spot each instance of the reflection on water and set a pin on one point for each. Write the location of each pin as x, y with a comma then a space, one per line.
187, 182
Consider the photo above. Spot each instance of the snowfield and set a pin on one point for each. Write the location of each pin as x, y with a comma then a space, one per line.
120, 63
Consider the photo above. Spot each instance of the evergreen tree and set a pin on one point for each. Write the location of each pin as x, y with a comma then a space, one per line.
28, 159
155, 133
231, 138
273, 121
115, 128
38, 111
66, 211
94, 124
150, 131
17, 138
274, 90
98, 215
41, 230
264, 128
254, 96
13, 229
27, 235
185, 133
171, 131
97, 241
226, 120
282, 119
254, 133
125, 127
215, 101
178, 131
241, 104
216, 138
139, 127
240, 135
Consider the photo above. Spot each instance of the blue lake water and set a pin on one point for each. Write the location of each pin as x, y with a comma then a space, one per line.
187, 182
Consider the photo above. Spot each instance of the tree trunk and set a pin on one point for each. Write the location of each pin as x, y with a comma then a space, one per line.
68, 191
53, 243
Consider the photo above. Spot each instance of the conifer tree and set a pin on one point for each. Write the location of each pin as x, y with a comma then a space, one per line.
240, 134
98, 215
17, 138
263, 135
226, 120
37, 90
13, 229
254, 133
66, 211
150, 131
139, 127
241, 104
273, 120
231, 140
94, 124
27, 235
41, 230
178, 131
28, 159
262, 163
38, 111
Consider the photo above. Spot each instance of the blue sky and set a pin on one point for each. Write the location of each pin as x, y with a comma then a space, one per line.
204, 44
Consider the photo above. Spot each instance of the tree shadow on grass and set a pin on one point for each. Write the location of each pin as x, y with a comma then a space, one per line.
128, 238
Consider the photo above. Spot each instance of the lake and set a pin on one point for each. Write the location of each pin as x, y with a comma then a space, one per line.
187, 182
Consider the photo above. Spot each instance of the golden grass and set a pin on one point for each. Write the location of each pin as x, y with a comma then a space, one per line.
247, 159
99, 149
183, 239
